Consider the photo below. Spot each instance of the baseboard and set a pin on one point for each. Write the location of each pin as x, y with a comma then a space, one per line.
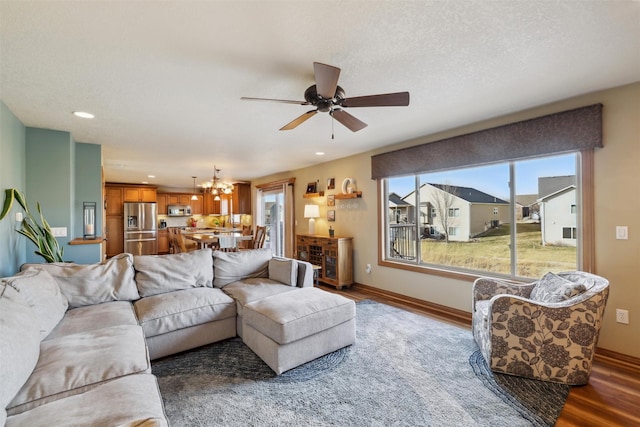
602, 355
437, 310
619, 360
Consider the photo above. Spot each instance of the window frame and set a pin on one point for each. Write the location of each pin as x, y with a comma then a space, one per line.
585, 255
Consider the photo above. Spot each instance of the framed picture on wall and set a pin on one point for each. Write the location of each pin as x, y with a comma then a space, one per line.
331, 200
312, 188
331, 215
331, 184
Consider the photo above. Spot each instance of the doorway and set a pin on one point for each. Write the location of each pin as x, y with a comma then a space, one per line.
273, 219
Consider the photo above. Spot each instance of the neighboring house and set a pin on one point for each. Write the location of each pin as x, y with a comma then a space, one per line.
558, 217
467, 212
527, 206
399, 210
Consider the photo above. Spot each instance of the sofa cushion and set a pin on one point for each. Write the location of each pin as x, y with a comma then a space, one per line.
94, 283
295, 315
284, 271
254, 289
171, 311
553, 288
133, 400
230, 267
156, 274
92, 317
42, 293
70, 365
19, 343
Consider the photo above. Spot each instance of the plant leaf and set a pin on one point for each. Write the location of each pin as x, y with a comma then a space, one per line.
8, 202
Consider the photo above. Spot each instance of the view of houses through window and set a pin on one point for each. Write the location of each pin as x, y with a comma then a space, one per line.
470, 219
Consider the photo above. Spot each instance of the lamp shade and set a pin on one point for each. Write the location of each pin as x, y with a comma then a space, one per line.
311, 211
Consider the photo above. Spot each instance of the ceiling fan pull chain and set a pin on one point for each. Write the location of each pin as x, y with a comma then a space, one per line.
332, 120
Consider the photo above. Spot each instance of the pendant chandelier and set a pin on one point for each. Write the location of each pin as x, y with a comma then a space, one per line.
218, 187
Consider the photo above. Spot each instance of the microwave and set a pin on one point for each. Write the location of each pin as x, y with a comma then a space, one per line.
178, 210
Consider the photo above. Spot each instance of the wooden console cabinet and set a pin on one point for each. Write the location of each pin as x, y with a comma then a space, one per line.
334, 255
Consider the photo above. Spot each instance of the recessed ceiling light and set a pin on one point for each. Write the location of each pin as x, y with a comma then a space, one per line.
145, 182
83, 114
319, 153
151, 176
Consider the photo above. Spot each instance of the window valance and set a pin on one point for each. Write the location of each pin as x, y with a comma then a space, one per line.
556, 133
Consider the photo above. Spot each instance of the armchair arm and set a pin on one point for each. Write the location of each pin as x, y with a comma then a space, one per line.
552, 342
305, 274
485, 288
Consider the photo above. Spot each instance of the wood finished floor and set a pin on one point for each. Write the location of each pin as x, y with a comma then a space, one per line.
611, 398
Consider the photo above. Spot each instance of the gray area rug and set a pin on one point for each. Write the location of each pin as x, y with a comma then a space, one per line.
404, 370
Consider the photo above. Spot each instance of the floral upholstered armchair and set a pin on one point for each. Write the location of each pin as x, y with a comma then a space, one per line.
545, 330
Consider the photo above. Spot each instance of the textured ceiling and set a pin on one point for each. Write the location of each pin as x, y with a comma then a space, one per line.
164, 79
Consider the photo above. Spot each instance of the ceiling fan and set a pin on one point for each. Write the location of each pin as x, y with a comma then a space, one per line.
327, 96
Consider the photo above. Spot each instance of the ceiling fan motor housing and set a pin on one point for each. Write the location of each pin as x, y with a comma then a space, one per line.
324, 105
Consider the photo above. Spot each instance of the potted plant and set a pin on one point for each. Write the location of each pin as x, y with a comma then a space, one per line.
39, 233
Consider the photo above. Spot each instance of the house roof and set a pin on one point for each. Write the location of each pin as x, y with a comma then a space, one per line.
396, 201
550, 184
526, 199
557, 193
469, 194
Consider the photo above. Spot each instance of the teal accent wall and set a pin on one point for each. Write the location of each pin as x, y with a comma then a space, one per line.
12, 175
61, 174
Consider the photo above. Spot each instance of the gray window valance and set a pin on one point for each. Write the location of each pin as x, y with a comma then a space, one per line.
557, 133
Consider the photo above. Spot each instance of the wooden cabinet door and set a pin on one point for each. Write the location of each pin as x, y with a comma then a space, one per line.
162, 204
184, 199
147, 194
115, 235
163, 242
242, 198
114, 200
173, 199
197, 206
131, 194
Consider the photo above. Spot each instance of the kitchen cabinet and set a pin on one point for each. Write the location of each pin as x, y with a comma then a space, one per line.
114, 200
162, 204
197, 206
114, 233
242, 198
139, 194
217, 207
334, 256
163, 241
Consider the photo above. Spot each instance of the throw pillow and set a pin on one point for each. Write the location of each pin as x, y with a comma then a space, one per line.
284, 271
158, 274
41, 291
233, 266
95, 283
553, 288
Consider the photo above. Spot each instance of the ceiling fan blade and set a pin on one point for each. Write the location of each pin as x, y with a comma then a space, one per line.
326, 79
348, 120
398, 99
299, 120
285, 101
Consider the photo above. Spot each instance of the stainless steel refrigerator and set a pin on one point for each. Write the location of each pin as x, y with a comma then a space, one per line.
141, 228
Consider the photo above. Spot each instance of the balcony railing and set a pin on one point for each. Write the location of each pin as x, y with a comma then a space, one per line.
402, 241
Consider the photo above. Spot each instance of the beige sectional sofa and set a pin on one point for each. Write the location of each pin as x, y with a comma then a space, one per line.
76, 340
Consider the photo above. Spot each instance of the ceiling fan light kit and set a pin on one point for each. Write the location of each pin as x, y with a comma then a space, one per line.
327, 97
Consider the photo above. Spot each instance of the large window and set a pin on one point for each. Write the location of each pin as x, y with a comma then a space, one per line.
473, 220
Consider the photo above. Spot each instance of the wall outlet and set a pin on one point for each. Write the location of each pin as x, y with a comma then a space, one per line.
622, 232
59, 231
622, 316
368, 269
19, 217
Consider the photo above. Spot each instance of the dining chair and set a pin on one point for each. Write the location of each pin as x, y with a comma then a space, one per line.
258, 239
177, 242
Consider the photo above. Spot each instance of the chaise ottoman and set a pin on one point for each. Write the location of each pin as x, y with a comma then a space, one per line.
290, 329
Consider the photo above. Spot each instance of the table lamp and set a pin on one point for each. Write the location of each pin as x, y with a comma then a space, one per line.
312, 212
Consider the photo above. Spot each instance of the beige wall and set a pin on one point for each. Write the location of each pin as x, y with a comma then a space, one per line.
617, 200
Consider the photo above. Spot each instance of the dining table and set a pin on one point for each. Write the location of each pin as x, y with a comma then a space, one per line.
209, 237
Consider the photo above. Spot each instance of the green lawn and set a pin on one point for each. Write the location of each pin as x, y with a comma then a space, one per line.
491, 252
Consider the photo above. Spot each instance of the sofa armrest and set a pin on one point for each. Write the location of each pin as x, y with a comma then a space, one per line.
485, 288
305, 274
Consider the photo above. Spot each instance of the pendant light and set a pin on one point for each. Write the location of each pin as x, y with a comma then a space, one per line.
195, 196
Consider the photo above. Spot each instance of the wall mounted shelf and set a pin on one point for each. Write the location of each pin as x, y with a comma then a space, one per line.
354, 195
312, 195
